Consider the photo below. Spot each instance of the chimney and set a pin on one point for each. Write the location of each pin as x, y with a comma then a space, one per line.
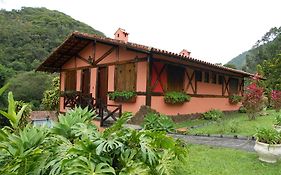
121, 35
185, 53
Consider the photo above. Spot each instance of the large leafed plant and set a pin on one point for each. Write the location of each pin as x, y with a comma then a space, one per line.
75, 146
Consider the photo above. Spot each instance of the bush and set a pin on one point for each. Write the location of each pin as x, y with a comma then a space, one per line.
253, 100
242, 109
157, 122
213, 114
75, 146
276, 100
176, 97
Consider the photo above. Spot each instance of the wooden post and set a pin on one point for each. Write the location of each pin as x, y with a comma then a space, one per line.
148, 81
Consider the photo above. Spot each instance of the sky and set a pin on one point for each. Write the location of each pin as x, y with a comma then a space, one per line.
212, 30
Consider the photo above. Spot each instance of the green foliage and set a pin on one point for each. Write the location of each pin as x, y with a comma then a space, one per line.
13, 116
176, 97
52, 95
265, 49
4, 88
71, 119
26, 112
242, 109
268, 135
278, 119
30, 86
229, 65
239, 61
234, 99
270, 69
122, 95
158, 122
213, 114
28, 36
118, 150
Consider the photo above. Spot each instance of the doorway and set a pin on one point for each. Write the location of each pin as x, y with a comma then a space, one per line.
102, 84
86, 77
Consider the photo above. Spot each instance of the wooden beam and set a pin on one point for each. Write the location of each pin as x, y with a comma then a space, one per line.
190, 78
83, 59
148, 81
104, 55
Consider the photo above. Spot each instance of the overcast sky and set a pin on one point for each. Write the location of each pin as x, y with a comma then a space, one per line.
213, 30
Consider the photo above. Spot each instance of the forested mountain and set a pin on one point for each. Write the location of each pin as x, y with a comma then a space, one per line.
266, 48
239, 61
27, 36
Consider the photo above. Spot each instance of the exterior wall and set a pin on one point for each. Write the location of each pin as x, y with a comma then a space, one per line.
209, 88
196, 105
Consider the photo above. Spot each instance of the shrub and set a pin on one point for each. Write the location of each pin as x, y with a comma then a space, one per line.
253, 100
276, 100
213, 114
157, 122
234, 126
234, 99
268, 135
26, 112
117, 150
122, 95
242, 109
176, 97
278, 120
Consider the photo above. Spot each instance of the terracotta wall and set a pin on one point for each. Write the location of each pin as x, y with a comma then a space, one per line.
196, 105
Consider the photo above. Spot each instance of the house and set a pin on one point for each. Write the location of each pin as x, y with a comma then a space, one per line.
96, 66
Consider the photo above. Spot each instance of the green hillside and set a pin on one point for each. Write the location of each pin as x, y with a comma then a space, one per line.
27, 36
265, 49
239, 61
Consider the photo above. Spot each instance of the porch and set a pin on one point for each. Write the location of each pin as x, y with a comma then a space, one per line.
106, 113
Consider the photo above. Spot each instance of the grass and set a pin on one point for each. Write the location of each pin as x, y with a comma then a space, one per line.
206, 160
234, 124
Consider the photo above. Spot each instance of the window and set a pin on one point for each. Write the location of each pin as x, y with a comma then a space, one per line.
70, 80
125, 77
233, 86
206, 77
175, 78
198, 75
214, 78
220, 79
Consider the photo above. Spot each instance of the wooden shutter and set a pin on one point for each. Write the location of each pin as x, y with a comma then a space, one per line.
175, 78
70, 80
125, 77
233, 86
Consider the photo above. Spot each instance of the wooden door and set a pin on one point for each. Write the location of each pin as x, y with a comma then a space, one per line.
102, 84
85, 81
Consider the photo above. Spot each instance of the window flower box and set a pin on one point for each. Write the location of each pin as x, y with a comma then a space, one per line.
176, 97
234, 99
123, 96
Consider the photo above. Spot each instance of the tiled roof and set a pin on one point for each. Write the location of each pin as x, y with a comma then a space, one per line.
57, 55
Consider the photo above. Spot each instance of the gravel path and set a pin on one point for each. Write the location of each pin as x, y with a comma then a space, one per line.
242, 144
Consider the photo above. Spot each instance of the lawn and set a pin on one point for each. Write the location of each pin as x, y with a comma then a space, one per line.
233, 124
206, 160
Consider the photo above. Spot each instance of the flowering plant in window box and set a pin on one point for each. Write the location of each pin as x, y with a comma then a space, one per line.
176, 97
123, 96
234, 99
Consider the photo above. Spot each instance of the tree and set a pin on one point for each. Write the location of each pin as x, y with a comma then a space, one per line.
30, 86
232, 66
52, 95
